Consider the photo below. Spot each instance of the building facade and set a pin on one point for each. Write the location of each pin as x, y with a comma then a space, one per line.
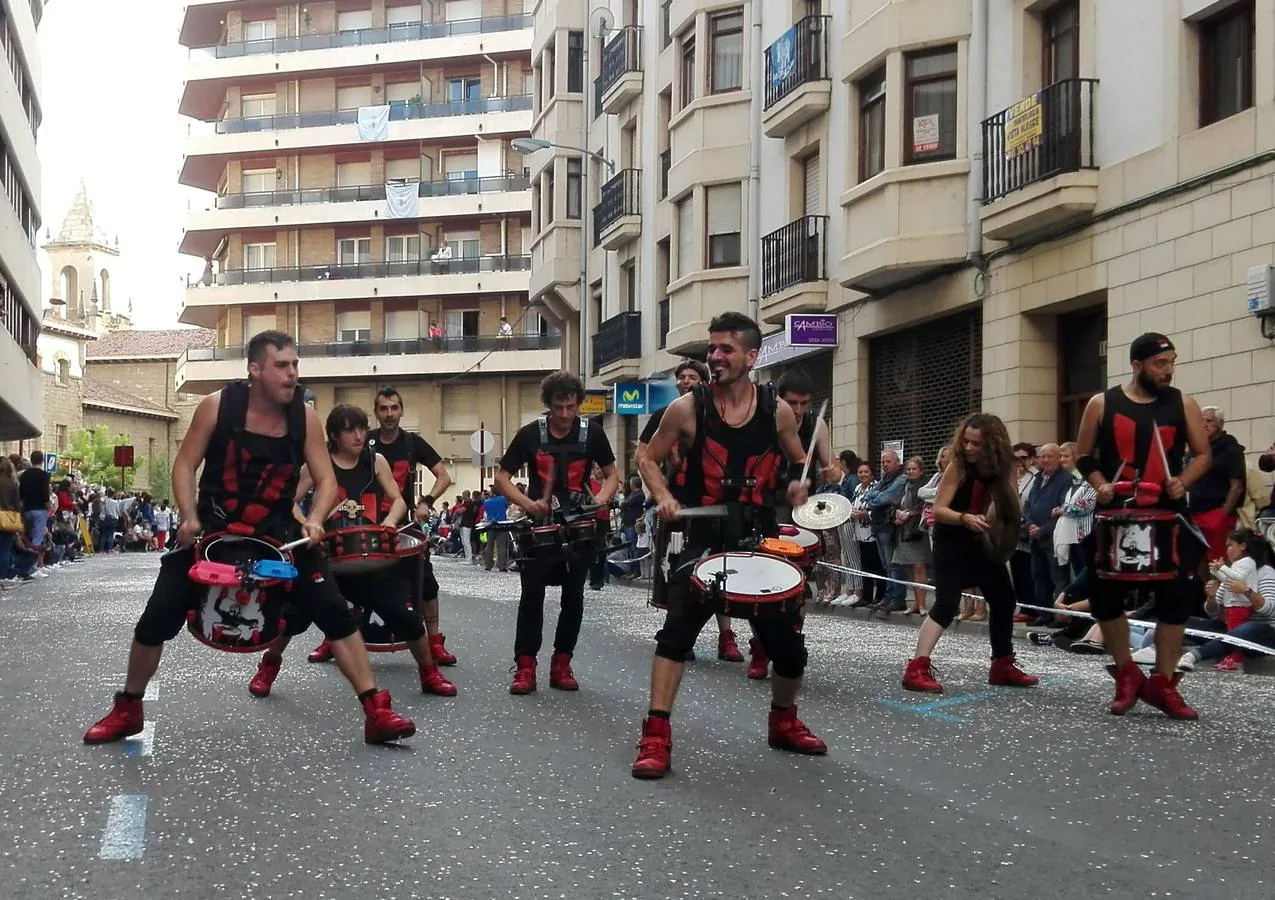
20, 401
984, 192
364, 196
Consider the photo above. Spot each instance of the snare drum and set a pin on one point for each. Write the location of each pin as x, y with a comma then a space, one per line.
583, 535
361, 548
809, 541
541, 543
411, 544
745, 585
782, 549
376, 634
237, 619
1136, 545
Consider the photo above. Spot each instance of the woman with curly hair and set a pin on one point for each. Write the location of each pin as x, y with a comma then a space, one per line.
971, 545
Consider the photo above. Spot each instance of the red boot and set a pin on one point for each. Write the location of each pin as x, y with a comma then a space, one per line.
1129, 681
787, 732
655, 749
267, 672
321, 653
441, 654
524, 676
759, 665
1005, 673
124, 720
383, 724
433, 682
727, 649
560, 674
919, 676
1163, 694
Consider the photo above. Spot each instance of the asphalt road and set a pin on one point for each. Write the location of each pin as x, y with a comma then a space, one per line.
990, 793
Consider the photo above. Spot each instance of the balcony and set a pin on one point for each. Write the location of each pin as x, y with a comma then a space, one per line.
617, 347
798, 87
1039, 169
447, 187
620, 81
794, 272
201, 370
617, 219
399, 112
362, 37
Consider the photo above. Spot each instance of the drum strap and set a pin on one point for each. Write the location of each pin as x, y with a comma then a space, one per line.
249, 505
565, 454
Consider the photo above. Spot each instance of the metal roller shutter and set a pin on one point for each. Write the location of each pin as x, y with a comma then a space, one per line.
813, 187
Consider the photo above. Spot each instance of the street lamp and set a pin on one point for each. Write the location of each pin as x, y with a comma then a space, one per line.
527, 146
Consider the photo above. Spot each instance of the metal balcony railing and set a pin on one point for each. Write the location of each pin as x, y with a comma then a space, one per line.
443, 187
410, 31
798, 56
399, 112
468, 343
794, 254
622, 54
1047, 134
619, 337
336, 272
666, 163
620, 197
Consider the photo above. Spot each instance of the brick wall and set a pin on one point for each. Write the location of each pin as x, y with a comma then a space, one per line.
140, 431
63, 405
151, 381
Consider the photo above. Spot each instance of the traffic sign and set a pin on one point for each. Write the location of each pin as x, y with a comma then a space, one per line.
50, 462
482, 441
124, 456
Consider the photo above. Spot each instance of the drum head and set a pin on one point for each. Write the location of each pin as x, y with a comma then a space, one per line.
234, 549
805, 538
236, 619
749, 574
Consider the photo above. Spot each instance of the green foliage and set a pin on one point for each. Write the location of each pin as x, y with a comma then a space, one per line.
160, 472
94, 448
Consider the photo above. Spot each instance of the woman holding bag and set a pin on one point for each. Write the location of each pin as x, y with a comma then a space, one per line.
10, 517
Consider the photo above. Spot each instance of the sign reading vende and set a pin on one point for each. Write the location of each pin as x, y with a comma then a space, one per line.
811, 329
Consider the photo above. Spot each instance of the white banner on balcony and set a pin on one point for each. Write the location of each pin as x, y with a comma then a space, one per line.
400, 199
374, 123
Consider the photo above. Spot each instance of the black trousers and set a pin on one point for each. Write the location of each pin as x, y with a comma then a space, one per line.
535, 577
384, 592
1020, 568
960, 563
870, 561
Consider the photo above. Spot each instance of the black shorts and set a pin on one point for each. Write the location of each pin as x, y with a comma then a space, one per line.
1173, 602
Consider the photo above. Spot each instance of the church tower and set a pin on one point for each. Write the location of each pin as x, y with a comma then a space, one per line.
81, 259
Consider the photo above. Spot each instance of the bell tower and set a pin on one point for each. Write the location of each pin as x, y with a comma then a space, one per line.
81, 260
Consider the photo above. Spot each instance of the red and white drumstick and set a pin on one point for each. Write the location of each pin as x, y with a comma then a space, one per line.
1159, 446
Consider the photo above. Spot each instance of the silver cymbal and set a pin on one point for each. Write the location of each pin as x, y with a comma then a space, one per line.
823, 511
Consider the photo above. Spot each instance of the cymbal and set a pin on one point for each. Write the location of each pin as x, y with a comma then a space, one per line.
822, 511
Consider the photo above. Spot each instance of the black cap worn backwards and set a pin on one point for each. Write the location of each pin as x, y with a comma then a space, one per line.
1148, 345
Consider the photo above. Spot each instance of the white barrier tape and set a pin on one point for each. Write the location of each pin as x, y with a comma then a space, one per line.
1238, 643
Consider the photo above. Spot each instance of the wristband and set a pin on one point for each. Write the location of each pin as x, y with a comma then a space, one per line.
429, 498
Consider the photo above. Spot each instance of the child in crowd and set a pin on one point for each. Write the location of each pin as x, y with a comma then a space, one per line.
1246, 553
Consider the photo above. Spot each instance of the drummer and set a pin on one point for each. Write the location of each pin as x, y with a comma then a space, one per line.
405, 451
365, 485
736, 433
250, 437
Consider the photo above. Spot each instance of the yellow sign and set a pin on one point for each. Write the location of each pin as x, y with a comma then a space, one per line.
1024, 126
594, 405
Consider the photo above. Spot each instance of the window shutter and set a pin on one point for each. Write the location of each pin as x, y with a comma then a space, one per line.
724, 209
353, 174
814, 188
401, 90
403, 15
354, 20
460, 407
255, 325
409, 169
686, 262
356, 320
402, 325
354, 97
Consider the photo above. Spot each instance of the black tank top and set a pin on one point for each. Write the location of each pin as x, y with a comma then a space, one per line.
359, 484
973, 495
721, 454
1125, 436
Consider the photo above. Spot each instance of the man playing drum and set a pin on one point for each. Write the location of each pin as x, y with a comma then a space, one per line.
559, 451
404, 451
251, 440
689, 372
365, 486
738, 437
1132, 441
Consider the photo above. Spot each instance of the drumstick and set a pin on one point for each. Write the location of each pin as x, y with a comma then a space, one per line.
1159, 446
716, 511
814, 441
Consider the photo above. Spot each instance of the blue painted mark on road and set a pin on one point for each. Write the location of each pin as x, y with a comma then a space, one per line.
140, 744
934, 708
124, 836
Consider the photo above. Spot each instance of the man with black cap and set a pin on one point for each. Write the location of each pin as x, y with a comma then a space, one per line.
1119, 443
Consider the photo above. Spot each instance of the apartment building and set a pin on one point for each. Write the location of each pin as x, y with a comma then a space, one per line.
364, 197
984, 192
21, 417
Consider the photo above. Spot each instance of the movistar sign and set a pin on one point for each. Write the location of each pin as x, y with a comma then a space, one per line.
630, 398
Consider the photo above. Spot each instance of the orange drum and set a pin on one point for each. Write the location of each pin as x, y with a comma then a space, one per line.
782, 549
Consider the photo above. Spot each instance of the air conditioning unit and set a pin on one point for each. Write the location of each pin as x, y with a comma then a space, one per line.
1260, 292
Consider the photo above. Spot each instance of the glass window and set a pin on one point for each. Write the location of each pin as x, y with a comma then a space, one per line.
461, 89
353, 251
723, 223
256, 105
575, 62
258, 181
355, 325
258, 256
1061, 56
688, 72
254, 325
726, 37
574, 173
1226, 63
259, 31
686, 238
403, 248
929, 116
872, 125
402, 325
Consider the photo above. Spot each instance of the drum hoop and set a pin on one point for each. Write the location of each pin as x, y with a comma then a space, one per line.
208, 541
736, 597
1135, 516
359, 529
782, 548
802, 532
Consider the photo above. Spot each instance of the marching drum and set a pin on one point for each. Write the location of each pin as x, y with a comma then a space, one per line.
237, 618
376, 634
361, 548
783, 549
811, 544
1136, 545
412, 543
744, 585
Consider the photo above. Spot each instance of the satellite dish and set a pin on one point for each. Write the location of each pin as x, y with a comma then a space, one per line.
601, 22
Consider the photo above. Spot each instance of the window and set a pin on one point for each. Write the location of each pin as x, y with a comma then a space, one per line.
463, 244
1226, 63
402, 325
401, 92
551, 76
353, 97
726, 52
1061, 53
64, 371
62, 441
254, 325
666, 34
688, 72
547, 196
462, 10
461, 323
575, 62
258, 181
686, 238
353, 174
575, 171
461, 89
663, 323
257, 105
354, 325
403, 248
461, 170
402, 15
628, 279
872, 124
723, 218
529, 81
259, 31
353, 396
258, 256
403, 169
354, 20
929, 115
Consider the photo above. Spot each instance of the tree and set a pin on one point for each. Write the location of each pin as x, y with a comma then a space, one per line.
160, 472
95, 450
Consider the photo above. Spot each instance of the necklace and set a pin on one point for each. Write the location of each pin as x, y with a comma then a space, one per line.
748, 412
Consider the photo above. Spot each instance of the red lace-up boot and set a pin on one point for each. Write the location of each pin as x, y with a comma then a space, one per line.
124, 720
524, 676
434, 682
655, 749
1129, 681
383, 724
560, 674
727, 649
267, 672
441, 654
759, 664
919, 676
1163, 694
787, 732
1006, 673
321, 653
